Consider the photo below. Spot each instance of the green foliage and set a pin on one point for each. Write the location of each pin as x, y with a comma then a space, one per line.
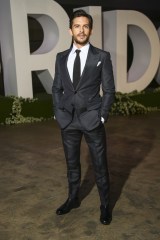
16, 117
5, 107
125, 106
148, 98
135, 103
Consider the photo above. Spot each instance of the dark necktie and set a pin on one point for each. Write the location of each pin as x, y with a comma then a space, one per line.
76, 69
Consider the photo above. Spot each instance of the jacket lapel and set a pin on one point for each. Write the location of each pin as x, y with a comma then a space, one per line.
92, 57
65, 69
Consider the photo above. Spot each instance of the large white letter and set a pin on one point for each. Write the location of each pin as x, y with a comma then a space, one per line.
17, 61
117, 24
158, 72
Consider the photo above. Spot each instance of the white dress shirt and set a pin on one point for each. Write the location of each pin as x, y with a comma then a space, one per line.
83, 57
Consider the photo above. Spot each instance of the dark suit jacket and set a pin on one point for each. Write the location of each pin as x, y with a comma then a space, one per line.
89, 105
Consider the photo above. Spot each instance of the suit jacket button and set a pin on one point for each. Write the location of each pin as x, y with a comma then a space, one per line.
75, 92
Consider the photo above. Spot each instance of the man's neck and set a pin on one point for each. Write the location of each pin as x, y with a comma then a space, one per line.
80, 45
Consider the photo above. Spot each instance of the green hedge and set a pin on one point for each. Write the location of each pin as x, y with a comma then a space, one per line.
136, 102
148, 99
5, 108
40, 108
14, 110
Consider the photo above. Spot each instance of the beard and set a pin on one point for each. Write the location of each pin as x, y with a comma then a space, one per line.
80, 41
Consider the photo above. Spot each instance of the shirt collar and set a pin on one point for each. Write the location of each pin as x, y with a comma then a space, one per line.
83, 49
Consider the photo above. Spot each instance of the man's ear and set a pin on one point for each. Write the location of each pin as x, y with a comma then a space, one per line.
70, 32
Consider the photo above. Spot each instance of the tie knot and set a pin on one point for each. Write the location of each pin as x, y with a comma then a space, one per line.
77, 51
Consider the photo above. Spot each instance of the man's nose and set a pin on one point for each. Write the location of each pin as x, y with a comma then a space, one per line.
81, 29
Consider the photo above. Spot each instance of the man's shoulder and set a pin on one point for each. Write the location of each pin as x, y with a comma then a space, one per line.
99, 50
63, 53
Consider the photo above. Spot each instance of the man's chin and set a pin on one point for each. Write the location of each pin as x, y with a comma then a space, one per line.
81, 42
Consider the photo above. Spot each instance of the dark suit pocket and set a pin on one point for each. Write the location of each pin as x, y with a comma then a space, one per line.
63, 117
90, 119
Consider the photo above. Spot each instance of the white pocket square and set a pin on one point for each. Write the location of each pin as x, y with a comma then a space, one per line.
98, 63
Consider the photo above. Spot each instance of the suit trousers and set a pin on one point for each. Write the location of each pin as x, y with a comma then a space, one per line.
96, 140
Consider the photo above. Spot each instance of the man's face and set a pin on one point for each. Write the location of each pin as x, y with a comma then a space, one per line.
80, 30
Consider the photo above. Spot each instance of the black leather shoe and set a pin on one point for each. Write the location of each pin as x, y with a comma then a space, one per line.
105, 217
68, 206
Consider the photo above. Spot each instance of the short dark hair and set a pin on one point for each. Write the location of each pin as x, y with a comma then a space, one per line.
81, 13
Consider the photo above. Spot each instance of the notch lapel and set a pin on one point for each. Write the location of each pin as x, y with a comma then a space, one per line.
92, 58
65, 69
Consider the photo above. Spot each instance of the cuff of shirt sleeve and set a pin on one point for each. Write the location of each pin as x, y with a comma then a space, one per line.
102, 119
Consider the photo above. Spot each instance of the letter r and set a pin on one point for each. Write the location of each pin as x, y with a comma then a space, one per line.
17, 60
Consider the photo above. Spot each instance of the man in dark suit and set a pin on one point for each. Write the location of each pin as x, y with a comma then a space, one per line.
80, 109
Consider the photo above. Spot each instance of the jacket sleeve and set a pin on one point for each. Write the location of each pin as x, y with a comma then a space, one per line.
108, 86
57, 88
